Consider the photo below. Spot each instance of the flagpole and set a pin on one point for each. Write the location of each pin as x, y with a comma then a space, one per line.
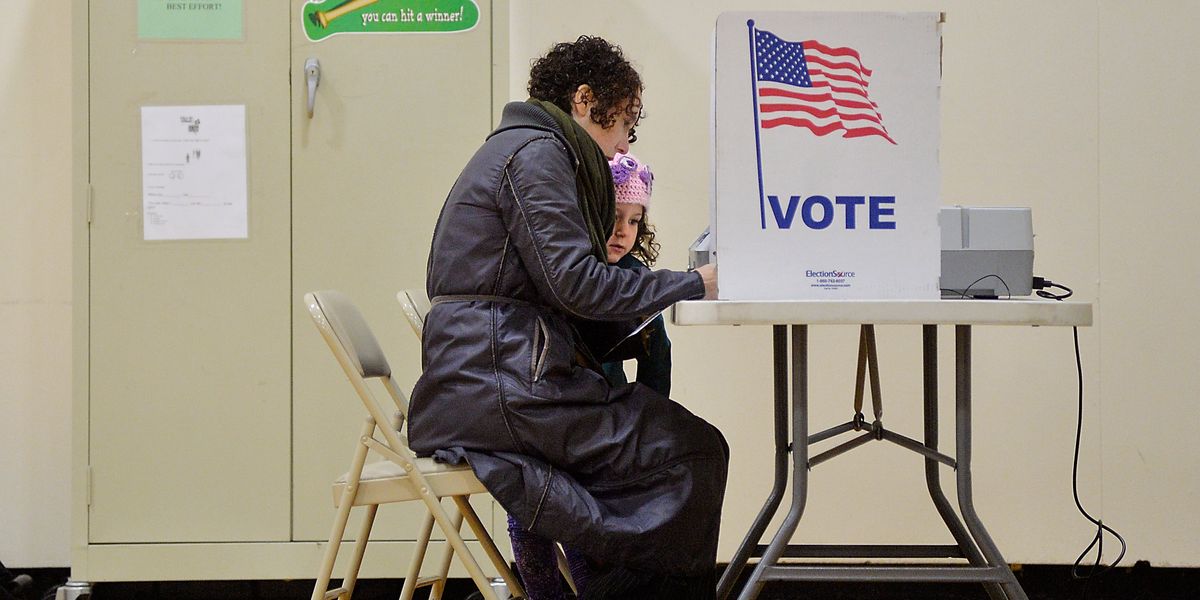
762, 210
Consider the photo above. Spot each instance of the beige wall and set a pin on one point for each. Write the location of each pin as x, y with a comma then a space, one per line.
35, 283
1149, 69
1081, 109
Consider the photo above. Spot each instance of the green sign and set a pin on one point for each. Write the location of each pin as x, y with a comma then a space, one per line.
323, 18
190, 19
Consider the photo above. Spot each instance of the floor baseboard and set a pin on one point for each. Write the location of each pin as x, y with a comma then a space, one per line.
1140, 581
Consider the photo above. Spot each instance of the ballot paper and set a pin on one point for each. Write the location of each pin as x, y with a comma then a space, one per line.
636, 330
194, 172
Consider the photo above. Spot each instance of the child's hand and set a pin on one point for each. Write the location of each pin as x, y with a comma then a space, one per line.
709, 274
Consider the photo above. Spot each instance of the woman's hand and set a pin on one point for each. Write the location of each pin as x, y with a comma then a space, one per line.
709, 274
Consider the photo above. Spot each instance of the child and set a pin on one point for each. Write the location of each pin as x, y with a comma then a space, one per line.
632, 246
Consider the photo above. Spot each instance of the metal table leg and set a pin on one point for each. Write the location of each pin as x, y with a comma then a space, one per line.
987, 566
799, 464
738, 563
932, 473
962, 393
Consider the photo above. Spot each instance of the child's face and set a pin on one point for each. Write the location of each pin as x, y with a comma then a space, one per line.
624, 230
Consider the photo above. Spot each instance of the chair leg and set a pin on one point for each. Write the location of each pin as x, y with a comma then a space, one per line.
489, 546
564, 567
439, 587
343, 514
360, 549
335, 542
460, 546
414, 565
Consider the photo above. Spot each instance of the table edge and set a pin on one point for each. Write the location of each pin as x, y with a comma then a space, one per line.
1025, 312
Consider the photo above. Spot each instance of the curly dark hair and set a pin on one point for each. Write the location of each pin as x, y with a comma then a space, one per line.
593, 61
644, 246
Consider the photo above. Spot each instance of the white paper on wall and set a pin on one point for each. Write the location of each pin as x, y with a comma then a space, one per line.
826, 162
194, 172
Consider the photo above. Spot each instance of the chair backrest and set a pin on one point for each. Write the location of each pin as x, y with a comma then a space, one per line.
415, 304
334, 313
358, 352
356, 349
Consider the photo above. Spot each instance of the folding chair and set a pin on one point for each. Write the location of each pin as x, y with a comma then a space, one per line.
401, 477
415, 304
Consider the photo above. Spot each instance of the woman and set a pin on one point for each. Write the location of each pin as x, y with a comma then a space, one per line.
624, 475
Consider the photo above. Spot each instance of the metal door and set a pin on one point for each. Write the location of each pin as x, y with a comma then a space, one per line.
215, 412
395, 118
190, 375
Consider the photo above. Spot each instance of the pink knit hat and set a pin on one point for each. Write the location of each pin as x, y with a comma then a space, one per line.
632, 179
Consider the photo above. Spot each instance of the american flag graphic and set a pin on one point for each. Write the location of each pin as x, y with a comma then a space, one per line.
814, 86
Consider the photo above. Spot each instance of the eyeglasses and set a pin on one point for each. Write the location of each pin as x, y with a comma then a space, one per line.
633, 129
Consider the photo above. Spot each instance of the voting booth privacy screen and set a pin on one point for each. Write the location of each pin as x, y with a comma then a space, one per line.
826, 176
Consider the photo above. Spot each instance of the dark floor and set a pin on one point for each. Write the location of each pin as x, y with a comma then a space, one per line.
1041, 582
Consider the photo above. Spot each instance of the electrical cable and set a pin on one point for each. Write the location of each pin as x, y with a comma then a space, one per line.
1097, 541
1097, 568
963, 293
1040, 284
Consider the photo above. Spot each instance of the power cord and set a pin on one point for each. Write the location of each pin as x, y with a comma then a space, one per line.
1040, 284
964, 293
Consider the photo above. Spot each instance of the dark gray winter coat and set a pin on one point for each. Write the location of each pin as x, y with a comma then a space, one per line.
623, 474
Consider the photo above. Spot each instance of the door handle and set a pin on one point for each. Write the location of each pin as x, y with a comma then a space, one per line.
312, 73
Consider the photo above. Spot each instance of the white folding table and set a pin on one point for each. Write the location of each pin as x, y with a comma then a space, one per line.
983, 562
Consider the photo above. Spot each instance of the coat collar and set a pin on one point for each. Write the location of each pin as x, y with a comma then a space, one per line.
523, 115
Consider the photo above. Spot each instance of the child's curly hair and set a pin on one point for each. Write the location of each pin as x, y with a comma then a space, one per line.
593, 61
644, 247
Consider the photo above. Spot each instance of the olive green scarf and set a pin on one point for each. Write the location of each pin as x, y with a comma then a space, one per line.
593, 180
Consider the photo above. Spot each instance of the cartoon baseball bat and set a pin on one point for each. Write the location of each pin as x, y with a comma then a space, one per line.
322, 18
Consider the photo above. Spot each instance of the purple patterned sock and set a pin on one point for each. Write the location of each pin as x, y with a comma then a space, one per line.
536, 562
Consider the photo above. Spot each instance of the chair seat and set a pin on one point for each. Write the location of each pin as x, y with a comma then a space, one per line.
385, 481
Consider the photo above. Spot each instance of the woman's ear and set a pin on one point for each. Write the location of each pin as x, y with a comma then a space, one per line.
582, 101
